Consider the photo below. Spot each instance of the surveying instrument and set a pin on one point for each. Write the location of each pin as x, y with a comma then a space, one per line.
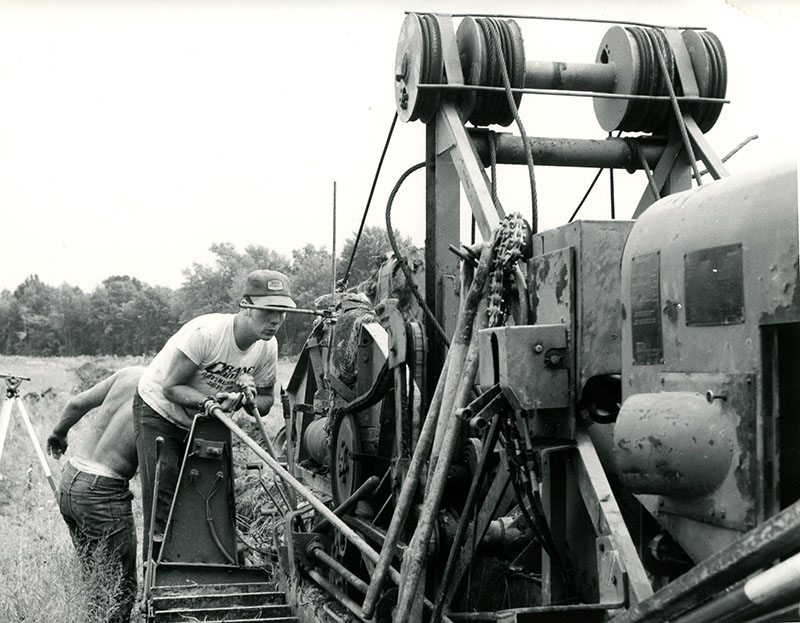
13, 382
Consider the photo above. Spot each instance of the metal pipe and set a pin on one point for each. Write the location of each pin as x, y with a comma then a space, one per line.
570, 76
289, 310
464, 521
268, 443
414, 559
343, 599
369, 486
337, 567
148, 554
774, 588
459, 347
288, 432
291, 481
610, 153
758, 548
406, 497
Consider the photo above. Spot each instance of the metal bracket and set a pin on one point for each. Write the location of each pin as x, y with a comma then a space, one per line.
205, 449
543, 383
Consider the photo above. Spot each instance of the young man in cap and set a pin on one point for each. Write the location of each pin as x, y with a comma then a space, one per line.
94, 497
212, 358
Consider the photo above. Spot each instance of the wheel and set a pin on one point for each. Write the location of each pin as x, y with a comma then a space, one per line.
345, 467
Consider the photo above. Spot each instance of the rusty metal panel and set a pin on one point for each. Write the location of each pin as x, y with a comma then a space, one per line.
574, 278
648, 342
529, 363
551, 287
714, 287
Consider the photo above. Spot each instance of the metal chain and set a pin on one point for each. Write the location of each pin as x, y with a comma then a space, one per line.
512, 243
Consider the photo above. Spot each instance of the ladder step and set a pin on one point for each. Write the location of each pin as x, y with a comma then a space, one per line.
181, 615
199, 589
291, 619
210, 599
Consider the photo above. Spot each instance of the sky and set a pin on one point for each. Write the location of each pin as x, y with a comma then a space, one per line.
135, 134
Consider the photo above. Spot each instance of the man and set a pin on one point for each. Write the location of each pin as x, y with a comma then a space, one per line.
215, 358
94, 497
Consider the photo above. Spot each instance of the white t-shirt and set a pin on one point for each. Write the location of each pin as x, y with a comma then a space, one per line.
208, 341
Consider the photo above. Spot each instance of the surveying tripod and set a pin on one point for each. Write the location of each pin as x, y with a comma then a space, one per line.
12, 398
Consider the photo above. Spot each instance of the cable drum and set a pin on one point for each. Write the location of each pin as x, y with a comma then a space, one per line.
481, 67
418, 61
634, 52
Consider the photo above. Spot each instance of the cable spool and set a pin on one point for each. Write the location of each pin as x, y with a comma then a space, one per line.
634, 52
481, 67
711, 72
418, 61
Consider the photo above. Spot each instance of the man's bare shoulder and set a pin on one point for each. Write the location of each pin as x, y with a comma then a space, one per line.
127, 378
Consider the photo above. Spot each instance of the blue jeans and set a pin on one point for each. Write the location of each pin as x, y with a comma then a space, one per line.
148, 425
97, 511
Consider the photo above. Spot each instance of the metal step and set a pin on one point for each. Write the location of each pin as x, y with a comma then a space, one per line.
209, 600
265, 614
258, 602
233, 587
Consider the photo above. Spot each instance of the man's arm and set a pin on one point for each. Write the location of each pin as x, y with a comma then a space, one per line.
73, 411
265, 399
176, 387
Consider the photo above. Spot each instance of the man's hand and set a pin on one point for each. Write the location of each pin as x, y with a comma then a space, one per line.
247, 385
229, 401
56, 445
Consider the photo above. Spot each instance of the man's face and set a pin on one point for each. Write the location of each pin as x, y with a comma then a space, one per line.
266, 323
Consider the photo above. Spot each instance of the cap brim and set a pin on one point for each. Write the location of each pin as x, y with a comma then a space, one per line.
273, 301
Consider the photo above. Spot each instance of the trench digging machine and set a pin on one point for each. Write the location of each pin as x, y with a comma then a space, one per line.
596, 422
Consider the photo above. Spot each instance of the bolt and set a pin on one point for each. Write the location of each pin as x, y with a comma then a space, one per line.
722, 514
555, 360
711, 397
538, 349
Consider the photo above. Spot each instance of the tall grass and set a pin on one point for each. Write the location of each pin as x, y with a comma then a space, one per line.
41, 579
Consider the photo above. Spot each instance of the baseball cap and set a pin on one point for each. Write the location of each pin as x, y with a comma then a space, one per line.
268, 287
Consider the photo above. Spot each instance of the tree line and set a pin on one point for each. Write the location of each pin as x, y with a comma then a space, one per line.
125, 316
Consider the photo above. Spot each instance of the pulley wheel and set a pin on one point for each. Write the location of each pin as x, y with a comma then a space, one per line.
472, 52
481, 66
703, 71
418, 60
619, 47
345, 470
721, 83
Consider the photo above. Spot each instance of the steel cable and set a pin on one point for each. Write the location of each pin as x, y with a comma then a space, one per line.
401, 260
344, 279
495, 37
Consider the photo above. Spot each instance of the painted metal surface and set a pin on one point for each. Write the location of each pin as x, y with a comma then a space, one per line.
725, 273
574, 279
529, 363
676, 444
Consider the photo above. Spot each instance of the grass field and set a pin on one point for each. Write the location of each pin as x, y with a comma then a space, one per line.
42, 581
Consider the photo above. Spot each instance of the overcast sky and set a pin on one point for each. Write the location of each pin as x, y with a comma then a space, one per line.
133, 135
